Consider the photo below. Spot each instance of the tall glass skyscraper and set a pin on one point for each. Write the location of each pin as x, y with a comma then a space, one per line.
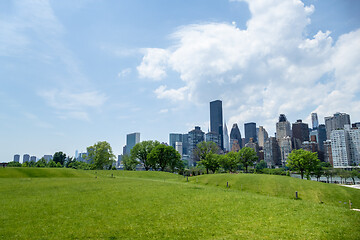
131, 140
216, 120
175, 137
250, 131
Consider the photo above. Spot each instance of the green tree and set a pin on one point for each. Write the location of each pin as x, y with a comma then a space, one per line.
203, 149
59, 157
301, 160
247, 157
211, 162
52, 164
318, 171
162, 156
41, 163
353, 174
101, 155
58, 165
141, 151
229, 162
261, 165
14, 164
129, 163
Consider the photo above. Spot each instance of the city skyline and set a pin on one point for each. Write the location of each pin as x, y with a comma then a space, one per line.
70, 79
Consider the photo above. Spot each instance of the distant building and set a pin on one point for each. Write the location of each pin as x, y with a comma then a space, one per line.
250, 131
213, 137
226, 139
314, 120
235, 135
179, 148
48, 158
253, 145
195, 136
300, 133
17, 158
33, 159
272, 154
119, 164
285, 149
216, 120
335, 122
283, 129
175, 137
235, 147
320, 136
185, 144
328, 152
26, 158
262, 136
131, 140
345, 147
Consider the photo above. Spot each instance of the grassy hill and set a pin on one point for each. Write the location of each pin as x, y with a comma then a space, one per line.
155, 205
42, 173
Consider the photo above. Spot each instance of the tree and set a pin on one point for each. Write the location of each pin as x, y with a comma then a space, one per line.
141, 151
211, 162
59, 157
204, 148
52, 164
14, 164
162, 156
261, 165
101, 155
41, 163
301, 160
353, 174
229, 161
318, 171
129, 163
247, 157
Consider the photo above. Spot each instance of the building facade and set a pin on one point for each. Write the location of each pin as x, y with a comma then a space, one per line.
216, 120
262, 136
300, 133
250, 131
283, 129
195, 136
235, 135
17, 158
272, 155
226, 139
175, 137
335, 122
131, 140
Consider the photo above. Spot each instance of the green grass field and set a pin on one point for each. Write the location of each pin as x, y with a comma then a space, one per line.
74, 204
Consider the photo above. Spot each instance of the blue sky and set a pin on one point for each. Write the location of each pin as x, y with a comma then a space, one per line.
76, 72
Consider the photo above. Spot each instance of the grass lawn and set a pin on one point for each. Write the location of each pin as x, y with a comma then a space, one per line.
155, 205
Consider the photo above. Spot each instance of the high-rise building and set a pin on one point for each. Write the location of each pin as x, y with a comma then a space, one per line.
314, 120
250, 131
226, 139
131, 140
272, 155
345, 147
185, 144
33, 159
253, 145
195, 136
213, 137
285, 149
179, 148
262, 136
337, 121
48, 158
175, 137
216, 120
328, 152
300, 133
17, 158
26, 158
235, 135
283, 129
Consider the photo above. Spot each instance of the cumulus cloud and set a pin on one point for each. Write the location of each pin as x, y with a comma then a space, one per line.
270, 67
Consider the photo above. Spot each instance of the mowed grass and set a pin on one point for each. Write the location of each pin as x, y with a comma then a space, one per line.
284, 187
42, 173
143, 206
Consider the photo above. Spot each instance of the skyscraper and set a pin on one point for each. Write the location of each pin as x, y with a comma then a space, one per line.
272, 154
300, 133
262, 136
235, 135
283, 129
250, 132
17, 158
314, 120
173, 138
131, 140
226, 139
195, 136
216, 120
337, 121
26, 158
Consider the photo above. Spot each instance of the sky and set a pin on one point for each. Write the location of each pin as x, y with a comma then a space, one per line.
73, 73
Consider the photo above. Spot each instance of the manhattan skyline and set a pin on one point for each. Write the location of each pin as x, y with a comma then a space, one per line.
74, 73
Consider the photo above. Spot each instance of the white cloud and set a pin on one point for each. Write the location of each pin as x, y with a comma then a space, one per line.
270, 67
124, 73
73, 105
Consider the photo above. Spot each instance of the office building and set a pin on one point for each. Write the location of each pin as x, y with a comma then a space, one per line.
33, 159
272, 154
179, 148
345, 147
175, 137
253, 145
328, 152
131, 140
213, 137
335, 122
300, 133
226, 139
235, 135
314, 120
17, 158
283, 129
262, 136
285, 147
250, 131
48, 158
216, 120
185, 144
26, 158
195, 136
